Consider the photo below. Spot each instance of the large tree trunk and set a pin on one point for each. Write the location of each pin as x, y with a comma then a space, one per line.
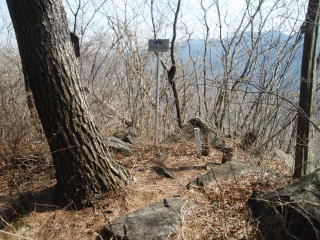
304, 154
84, 169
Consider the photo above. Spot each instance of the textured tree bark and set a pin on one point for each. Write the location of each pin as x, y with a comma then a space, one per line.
304, 154
84, 168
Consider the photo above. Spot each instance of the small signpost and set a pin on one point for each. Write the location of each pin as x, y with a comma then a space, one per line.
158, 45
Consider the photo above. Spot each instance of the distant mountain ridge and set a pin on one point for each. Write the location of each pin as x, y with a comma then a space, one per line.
270, 44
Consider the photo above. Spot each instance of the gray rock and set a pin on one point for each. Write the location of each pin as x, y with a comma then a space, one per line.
127, 136
132, 140
162, 171
284, 157
118, 146
154, 222
214, 135
209, 134
223, 172
291, 212
197, 122
123, 133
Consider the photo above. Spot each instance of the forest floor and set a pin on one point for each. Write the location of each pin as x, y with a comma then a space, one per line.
220, 211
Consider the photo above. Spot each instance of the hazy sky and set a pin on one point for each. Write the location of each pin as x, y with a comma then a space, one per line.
191, 21
282, 15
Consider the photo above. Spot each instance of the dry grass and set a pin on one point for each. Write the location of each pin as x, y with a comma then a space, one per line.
220, 211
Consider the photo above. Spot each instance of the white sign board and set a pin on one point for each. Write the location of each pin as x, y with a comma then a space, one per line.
158, 45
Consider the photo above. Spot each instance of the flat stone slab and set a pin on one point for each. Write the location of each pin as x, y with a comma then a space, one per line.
162, 171
223, 172
285, 158
154, 222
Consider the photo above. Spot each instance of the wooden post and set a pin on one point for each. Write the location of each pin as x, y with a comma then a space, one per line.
304, 154
157, 112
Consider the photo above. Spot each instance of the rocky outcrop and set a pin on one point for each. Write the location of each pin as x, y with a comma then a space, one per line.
284, 157
209, 135
229, 170
118, 146
157, 221
162, 171
127, 136
291, 212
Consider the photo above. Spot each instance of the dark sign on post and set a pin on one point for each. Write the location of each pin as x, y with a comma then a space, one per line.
159, 45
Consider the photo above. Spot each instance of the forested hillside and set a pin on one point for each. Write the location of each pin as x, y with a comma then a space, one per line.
231, 152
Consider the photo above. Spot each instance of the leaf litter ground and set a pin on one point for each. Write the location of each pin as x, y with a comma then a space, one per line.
220, 211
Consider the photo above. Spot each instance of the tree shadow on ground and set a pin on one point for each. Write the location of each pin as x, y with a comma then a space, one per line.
25, 203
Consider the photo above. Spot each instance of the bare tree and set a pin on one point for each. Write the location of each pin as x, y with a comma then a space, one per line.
204, 59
